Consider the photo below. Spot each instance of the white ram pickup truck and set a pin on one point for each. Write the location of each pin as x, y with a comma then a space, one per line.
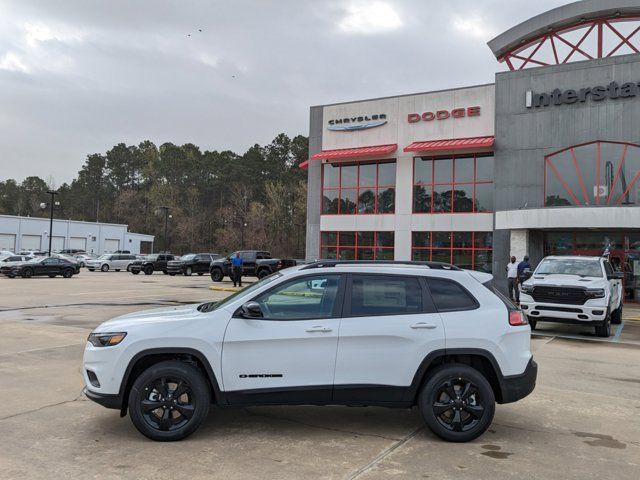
574, 290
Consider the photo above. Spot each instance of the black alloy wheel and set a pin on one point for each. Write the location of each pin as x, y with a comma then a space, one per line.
27, 273
188, 271
68, 273
604, 329
169, 400
457, 403
148, 270
217, 275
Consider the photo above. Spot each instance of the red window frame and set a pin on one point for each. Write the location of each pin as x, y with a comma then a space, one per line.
433, 184
355, 247
376, 188
583, 192
452, 250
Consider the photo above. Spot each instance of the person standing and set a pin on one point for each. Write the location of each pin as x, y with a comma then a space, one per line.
512, 280
524, 267
236, 269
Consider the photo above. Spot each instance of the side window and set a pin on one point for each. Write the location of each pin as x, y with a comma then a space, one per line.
161, 258
385, 295
301, 299
449, 296
249, 256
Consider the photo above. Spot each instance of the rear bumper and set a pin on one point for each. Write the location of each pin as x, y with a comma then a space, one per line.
516, 387
108, 401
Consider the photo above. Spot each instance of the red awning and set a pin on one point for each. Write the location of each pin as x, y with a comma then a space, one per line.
343, 153
448, 145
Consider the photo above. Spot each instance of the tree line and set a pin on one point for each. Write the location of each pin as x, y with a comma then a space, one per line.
218, 201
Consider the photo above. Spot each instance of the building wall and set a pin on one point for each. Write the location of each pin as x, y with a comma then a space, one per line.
525, 135
66, 232
398, 131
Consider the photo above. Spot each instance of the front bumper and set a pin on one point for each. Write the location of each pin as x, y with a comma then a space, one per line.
516, 387
562, 313
109, 401
135, 268
175, 268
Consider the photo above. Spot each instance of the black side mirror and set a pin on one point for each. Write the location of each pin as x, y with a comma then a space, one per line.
251, 310
616, 276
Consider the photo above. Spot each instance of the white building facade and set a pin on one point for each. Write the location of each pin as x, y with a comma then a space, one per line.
30, 233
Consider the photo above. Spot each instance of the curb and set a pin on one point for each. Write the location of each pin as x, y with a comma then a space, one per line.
224, 289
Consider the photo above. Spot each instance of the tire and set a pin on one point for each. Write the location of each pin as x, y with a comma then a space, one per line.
52, 276
11, 276
217, 275
188, 272
200, 274
148, 270
27, 273
440, 410
164, 424
68, 273
104, 268
165, 272
172, 274
92, 269
263, 272
117, 269
129, 268
533, 324
604, 330
616, 316
135, 272
81, 264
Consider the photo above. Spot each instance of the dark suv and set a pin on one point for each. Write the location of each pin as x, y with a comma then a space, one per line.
156, 262
191, 263
255, 263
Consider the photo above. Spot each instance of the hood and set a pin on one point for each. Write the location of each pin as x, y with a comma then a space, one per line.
155, 315
561, 280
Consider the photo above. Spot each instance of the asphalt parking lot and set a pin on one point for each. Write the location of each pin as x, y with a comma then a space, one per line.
582, 421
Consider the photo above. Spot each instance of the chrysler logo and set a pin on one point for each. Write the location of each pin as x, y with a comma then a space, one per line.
357, 123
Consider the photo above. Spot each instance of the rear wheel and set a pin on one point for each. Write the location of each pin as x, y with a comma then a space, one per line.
604, 329
169, 401
148, 270
104, 268
457, 403
27, 273
616, 316
68, 273
188, 271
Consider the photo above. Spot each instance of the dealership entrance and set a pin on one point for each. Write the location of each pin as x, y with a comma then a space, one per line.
622, 246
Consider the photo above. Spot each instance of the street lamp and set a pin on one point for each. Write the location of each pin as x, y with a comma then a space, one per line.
52, 203
166, 223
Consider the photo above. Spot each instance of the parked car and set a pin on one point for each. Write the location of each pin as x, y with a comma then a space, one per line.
71, 251
191, 263
122, 251
33, 253
156, 262
574, 290
111, 261
255, 263
82, 258
49, 266
8, 261
343, 333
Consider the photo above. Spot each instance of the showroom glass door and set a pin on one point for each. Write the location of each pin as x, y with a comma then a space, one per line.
622, 248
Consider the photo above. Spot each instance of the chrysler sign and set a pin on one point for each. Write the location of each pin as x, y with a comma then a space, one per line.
597, 94
357, 123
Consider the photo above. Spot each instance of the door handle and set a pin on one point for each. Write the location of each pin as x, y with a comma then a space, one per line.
423, 325
319, 328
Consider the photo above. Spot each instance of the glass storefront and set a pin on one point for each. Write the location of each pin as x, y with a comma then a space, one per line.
471, 250
357, 245
622, 247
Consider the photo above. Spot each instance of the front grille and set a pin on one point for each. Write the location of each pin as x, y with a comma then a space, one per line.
562, 295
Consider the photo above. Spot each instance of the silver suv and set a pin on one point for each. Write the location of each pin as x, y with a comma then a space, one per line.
111, 261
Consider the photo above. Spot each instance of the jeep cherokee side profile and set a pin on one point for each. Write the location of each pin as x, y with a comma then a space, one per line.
328, 333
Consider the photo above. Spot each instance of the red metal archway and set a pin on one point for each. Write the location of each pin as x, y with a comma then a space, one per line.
588, 40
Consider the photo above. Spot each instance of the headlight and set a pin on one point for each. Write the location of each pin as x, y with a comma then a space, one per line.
526, 288
595, 292
106, 339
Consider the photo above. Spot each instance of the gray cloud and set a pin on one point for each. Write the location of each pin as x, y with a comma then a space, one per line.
78, 76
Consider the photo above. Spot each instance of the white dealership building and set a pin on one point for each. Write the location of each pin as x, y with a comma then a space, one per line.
30, 233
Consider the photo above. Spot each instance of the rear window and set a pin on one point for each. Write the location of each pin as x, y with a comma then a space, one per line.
385, 295
450, 296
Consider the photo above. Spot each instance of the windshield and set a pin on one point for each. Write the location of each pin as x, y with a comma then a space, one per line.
209, 307
570, 266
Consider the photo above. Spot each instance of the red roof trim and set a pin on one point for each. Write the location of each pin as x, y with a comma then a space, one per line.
355, 152
304, 165
453, 144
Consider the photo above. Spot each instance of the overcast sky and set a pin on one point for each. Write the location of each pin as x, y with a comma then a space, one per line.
78, 76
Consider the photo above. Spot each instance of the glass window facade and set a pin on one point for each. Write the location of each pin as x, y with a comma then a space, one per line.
597, 173
471, 250
357, 245
364, 188
459, 184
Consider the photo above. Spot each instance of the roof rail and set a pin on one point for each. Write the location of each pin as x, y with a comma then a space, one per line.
333, 263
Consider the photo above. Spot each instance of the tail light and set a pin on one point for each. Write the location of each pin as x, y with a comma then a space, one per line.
517, 318
280, 264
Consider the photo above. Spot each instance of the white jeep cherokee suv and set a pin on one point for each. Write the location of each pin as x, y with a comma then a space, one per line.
575, 290
341, 333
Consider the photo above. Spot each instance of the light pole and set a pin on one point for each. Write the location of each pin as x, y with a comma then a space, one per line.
53, 193
166, 223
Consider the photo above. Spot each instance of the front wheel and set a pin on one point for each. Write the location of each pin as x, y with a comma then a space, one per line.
263, 273
217, 275
457, 403
68, 273
104, 268
616, 316
604, 329
188, 271
135, 272
148, 270
169, 401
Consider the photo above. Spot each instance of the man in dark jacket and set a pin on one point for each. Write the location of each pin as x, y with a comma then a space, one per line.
524, 268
